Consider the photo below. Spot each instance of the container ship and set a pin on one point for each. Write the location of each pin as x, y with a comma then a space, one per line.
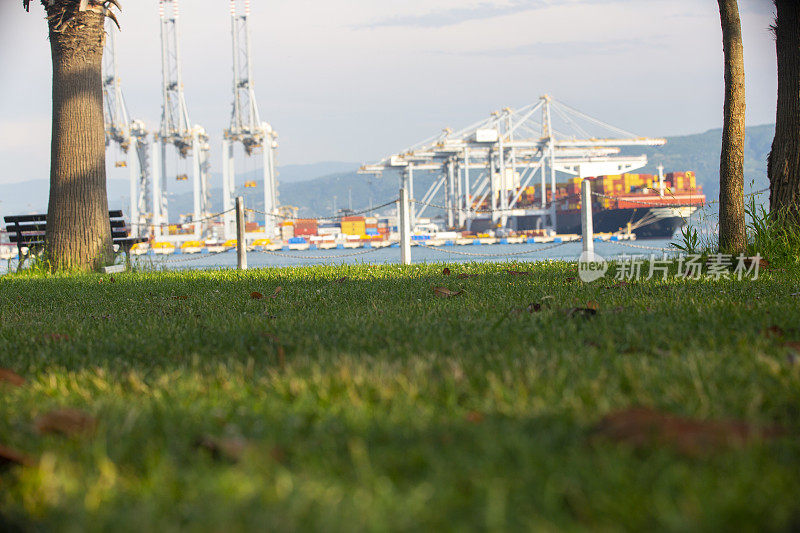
649, 206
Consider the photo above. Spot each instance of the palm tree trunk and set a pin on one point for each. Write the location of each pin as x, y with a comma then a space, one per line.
784, 159
78, 231
732, 237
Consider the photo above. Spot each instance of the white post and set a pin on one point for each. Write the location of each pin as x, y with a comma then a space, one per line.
412, 213
156, 192
228, 219
586, 217
270, 183
198, 210
405, 229
467, 191
492, 188
133, 164
553, 205
451, 193
459, 197
661, 180
503, 184
241, 242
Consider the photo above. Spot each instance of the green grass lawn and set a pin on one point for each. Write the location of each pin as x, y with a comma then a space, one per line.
369, 403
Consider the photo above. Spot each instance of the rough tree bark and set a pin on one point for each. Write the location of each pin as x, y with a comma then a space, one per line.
732, 236
784, 159
78, 232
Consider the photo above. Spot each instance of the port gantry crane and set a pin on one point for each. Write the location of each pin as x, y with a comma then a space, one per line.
130, 136
507, 151
246, 126
176, 129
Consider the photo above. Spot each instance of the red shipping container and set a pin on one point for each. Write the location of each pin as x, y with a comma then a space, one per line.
305, 227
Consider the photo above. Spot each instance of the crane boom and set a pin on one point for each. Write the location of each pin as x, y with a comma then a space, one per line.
128, 135
246, 126
176, 128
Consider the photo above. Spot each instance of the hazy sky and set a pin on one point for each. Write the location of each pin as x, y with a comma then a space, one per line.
354, 80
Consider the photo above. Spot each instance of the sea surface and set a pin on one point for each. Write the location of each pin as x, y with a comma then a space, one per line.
450, 254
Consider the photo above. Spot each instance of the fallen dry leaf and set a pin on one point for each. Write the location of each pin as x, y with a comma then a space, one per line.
446, 271
281, 356
56, 337
255, 295
443, 292
278, 454
518, 272
278, 347
466, 276
276, 293
749, 262
795, 346
581, 311
794, 352
66, 422
774, 331
229, 448
475, 417
9, 458
10, 377
643, 427
592, 305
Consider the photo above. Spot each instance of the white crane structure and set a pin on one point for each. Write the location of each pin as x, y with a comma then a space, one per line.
246, 126
176, 129
493, 161
130, 136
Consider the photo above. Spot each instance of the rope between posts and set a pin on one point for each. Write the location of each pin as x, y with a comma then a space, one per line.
659, 204
321, 257
511, 254
194, 257
642, 247
334, 217
204, 219
480, 211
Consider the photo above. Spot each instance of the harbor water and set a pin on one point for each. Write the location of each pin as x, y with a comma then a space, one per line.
569, 251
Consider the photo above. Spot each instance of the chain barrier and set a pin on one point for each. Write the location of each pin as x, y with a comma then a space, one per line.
204, 219
485, 211
319, 257
334, 217
659, 204
510, 254
193, 257
643, 247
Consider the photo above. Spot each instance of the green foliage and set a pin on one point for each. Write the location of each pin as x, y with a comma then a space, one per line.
774, 236
367, 403
690, 242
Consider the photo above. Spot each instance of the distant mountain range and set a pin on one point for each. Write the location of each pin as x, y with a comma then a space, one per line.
701, 153
320, 189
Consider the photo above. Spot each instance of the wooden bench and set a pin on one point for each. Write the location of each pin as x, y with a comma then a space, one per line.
28, 231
